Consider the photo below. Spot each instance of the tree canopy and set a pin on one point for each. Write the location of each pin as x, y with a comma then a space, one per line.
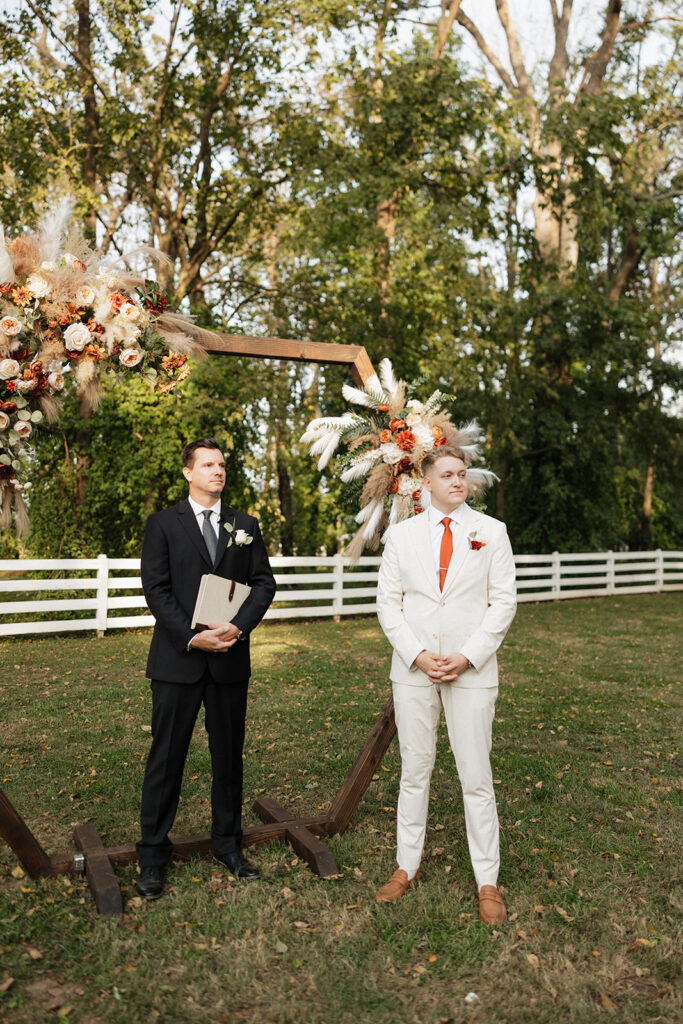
491, 196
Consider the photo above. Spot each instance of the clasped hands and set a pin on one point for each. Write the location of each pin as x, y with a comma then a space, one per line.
218, 637
442, 670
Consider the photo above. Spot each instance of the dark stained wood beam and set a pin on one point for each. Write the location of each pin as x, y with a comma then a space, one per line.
99, 872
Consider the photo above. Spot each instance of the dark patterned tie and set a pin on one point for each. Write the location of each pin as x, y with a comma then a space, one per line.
209, 535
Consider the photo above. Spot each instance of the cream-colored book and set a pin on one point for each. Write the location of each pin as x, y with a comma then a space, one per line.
218, 600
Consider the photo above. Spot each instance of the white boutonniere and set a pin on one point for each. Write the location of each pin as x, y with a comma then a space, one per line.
239, 537
475, 544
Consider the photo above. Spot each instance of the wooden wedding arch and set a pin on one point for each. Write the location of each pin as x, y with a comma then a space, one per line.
304, 834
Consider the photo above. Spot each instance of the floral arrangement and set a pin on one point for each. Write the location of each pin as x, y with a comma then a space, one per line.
66, 319
386, 444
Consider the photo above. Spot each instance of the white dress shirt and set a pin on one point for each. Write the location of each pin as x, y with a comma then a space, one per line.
436, 529
214, 518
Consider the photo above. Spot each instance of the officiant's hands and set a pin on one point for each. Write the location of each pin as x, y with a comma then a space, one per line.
442, 670
216, 638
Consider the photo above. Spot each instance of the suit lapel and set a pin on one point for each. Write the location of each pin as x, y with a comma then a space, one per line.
424, 552
460, 545
189, 523
228, 515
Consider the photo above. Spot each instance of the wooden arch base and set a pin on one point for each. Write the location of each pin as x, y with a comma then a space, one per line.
98, 861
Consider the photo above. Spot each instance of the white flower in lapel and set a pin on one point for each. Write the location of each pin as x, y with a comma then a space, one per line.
239, 537
475, 544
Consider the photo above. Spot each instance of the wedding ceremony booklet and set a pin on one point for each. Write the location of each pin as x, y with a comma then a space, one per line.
218, 600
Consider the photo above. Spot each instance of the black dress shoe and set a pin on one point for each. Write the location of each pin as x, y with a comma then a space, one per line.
150, 883
238, 866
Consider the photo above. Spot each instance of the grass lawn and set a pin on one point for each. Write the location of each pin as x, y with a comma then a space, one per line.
585, 761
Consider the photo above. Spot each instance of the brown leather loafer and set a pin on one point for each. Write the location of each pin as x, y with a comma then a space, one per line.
491, 907
395, 887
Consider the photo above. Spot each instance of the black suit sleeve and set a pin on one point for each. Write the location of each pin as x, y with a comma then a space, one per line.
262, 583
155, 572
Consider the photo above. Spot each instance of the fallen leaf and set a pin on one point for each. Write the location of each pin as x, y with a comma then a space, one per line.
280, 947
6, 983
18, 872
563, 913
35, 954
608, 1003
533, 960
433, 958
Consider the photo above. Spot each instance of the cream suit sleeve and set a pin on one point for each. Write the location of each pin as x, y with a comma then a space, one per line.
390, 607
502, 604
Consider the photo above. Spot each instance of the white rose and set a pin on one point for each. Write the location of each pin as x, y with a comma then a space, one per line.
38, 285
407, 484
242, 537
4, 421
24, 386
85, 296
424, 436
130, 311
23, 428
9, 325
76, 337
55, 381
130, 357
391, 453
8, 368
413, 418
48, 266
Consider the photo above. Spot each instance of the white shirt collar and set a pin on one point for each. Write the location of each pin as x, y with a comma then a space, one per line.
200, 509
435, 516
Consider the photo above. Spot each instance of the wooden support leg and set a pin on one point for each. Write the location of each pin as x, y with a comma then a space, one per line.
22, 841
365, 766
99, 872
306, 845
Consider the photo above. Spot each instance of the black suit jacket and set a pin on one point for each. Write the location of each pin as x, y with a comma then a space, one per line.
174, 559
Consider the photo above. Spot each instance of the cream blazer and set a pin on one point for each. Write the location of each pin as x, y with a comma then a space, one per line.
471, 615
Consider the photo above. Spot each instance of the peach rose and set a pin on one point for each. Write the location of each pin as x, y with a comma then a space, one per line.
437, 432
23, 428
4, 421
9, 325
117, 300
55, 381
130, 311
85, 296
130, 357
385, 435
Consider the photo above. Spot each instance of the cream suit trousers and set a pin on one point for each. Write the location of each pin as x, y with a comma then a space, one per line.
469, 719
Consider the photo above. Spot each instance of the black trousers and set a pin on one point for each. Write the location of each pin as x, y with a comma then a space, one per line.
175, 707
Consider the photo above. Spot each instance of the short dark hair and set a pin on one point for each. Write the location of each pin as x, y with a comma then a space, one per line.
205, 442
442, 452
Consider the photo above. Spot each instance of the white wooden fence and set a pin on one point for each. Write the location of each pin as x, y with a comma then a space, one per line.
102, 591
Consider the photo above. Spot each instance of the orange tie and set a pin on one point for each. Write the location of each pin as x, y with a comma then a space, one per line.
445, 552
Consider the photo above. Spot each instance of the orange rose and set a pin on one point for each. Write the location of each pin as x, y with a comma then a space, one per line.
437, 432
396, 424
393, 486
117, 300
404, 466
440, 441
405, 440
384, 407
385, 436
416, 495
417, 509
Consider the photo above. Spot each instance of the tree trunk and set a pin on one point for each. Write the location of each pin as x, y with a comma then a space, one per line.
91, 125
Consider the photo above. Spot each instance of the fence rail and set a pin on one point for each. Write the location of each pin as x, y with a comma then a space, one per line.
99, 593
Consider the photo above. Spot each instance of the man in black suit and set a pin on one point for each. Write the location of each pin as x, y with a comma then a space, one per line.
189, 667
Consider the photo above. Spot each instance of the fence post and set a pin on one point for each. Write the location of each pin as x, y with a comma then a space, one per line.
102, 593
338, 586
557, 579
611, 577
660, 569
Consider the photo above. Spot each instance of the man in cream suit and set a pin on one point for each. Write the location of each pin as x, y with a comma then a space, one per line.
445, 600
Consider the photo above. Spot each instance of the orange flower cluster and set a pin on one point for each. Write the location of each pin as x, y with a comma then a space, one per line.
21, 296
35, 372
405, 439
157, 303
173, 361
